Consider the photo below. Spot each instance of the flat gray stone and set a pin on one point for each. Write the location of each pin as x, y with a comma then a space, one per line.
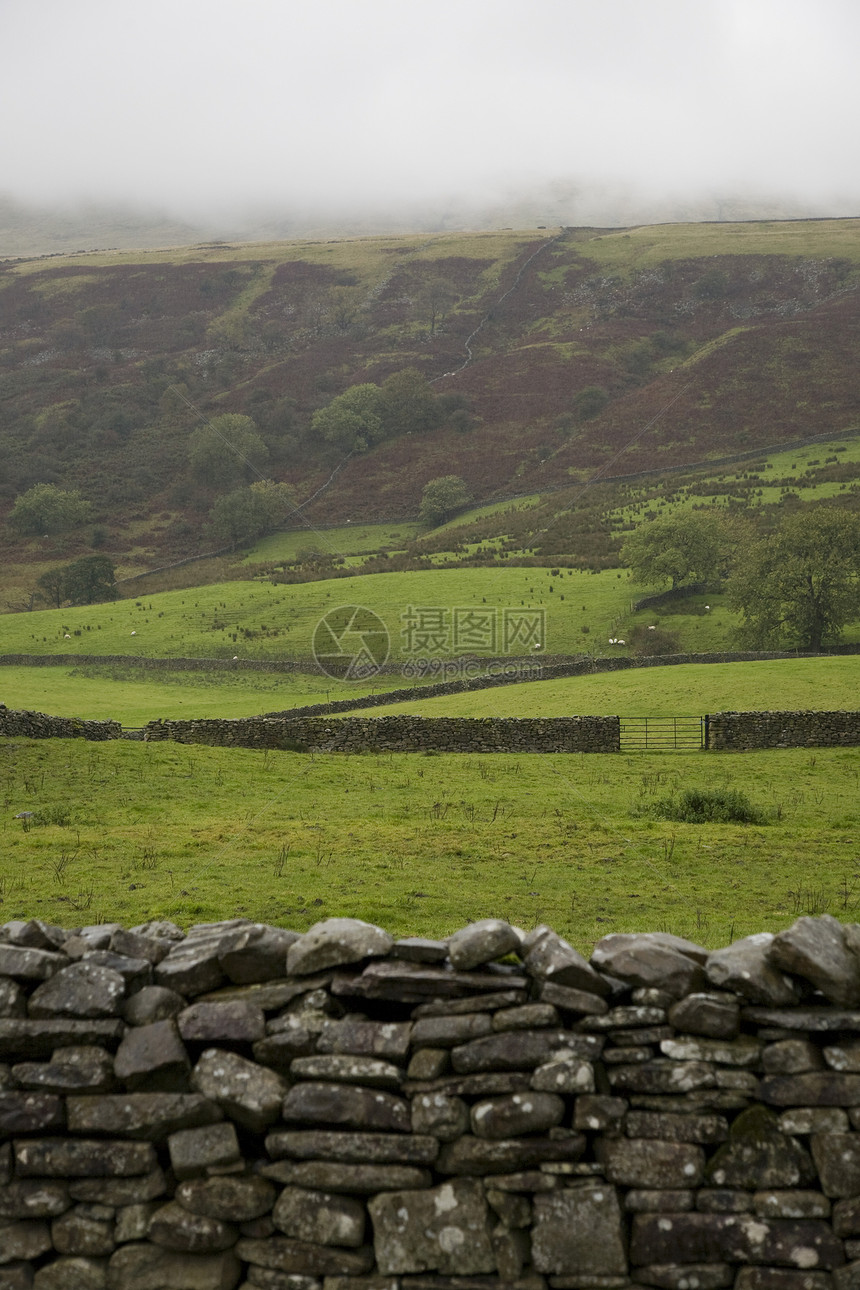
81, 1232
815, 1088
322, 1218
446, 1032
687, 1276
670, 1127
72, 1272
153, 1058
388, 1040
479, 1157
815, 950
73, 1069
24, 1039
714, 1014
548, 957
193, 1151
249, 1093
26, 1239
353, 1148
257, 953
33, 1198
234, 1021
137, 1190
334, 942
284, 1254
482, 942
343, 1068
579, 1231
745, 968
151, 1116
148, 1267
152, 1003
234, 1197
175, 1228
440, 1115
521, 1050
743, 1051
791, 1057
513, 1114
662, 1076
24, 964
445, 1229
734, 1238
84, 1158
652, 959
30, 1113
793, 1203
352, 1179
346, 1106
647, 1162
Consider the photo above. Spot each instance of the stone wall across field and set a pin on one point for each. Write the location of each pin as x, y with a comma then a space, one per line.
246, 1106
36, 725
746, 731
399, 734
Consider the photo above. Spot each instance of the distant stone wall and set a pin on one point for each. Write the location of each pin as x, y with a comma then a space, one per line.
36, 725
747, 731
399, 734
246, 1106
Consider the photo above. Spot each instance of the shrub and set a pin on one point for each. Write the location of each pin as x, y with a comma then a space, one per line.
710, 806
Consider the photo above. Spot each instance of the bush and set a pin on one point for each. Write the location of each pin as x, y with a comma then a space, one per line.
710, 806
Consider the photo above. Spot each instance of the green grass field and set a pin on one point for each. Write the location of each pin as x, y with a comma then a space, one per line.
259, 620
693, 689
129, 831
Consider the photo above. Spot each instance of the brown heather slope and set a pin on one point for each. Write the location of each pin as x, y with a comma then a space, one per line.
699, 340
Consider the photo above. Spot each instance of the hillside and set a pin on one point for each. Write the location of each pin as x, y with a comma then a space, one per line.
557, 355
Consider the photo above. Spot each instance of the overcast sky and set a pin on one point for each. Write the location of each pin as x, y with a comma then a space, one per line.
202, 105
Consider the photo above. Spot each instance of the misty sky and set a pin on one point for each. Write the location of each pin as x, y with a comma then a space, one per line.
200, 105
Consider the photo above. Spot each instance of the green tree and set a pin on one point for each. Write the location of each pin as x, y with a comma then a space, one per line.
45, 508
442, 498
408, 404
227, 450
247, 513
801, 584
686, 546
83, 582
353, 421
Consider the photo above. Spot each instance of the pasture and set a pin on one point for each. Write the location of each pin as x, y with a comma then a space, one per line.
129, 831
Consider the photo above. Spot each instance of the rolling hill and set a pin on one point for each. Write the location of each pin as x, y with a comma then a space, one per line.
567, 355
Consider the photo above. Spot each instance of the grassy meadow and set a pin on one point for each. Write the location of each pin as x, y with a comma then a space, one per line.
691, 689
259, 620
421, 844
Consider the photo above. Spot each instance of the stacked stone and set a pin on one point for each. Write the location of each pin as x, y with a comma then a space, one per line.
246, 1106
746, 731
36, 725
399, 734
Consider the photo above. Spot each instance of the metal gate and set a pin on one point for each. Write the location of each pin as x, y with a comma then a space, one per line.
662, 734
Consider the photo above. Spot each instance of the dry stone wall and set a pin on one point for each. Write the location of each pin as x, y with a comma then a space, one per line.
245, 1106
36, 725
399, 734
746, 731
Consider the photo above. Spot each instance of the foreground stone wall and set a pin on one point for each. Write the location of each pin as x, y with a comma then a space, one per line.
745, 731
399, 734
244, 1105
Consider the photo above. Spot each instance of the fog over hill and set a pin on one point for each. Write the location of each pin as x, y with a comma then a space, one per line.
28, 229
